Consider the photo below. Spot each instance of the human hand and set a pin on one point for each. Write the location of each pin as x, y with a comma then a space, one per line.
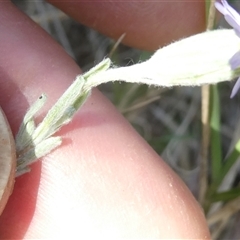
105, 180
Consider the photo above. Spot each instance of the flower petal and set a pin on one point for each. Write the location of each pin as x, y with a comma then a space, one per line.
221, 8
231, 11
234, 24
235, 88
231, 15
235, 61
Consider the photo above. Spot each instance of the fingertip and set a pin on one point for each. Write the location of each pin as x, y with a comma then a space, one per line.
148, 25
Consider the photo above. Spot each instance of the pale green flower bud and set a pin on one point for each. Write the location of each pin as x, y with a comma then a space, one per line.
197, 60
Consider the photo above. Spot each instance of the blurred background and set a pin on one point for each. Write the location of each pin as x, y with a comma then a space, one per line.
168, 119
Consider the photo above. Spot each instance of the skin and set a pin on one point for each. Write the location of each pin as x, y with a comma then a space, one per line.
105, 180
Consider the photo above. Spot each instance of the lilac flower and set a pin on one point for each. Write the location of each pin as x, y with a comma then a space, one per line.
233, 18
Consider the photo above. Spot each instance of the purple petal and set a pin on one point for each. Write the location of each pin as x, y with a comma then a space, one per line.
235, 61
233, 18
234, 24
235, 88
231, 15
231, 11
221, 8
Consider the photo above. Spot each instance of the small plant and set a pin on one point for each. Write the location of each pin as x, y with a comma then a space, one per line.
206, 58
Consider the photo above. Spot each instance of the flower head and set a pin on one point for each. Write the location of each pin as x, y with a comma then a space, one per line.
233, 18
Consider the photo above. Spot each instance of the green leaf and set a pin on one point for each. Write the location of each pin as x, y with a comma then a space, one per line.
231, 159
226, 196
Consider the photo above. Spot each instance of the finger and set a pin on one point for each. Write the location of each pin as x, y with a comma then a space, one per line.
148, 25
104, 180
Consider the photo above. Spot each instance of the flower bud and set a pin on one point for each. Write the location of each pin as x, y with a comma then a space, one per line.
197, 60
